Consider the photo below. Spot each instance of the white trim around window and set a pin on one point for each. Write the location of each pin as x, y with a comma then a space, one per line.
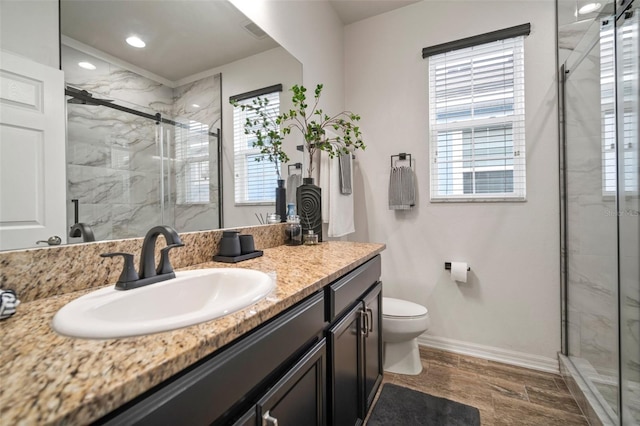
254, 181
477, 123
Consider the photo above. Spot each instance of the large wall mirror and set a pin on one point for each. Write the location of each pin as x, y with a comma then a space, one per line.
149, 130
129, 170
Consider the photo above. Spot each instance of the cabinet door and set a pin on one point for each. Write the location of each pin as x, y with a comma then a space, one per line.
299, 397
345, 377
372, 344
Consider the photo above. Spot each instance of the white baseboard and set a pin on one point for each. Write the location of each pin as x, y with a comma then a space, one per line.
520, 359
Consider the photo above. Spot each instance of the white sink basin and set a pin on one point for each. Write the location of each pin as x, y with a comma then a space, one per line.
190, 298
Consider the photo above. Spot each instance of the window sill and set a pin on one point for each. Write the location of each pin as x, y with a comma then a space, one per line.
479, 200
263, 203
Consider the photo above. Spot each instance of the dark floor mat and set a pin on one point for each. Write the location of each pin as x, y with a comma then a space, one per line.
401, 406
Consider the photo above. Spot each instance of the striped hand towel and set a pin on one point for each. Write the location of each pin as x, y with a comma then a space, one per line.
402, 194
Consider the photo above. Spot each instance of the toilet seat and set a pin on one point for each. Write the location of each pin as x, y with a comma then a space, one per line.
397, 308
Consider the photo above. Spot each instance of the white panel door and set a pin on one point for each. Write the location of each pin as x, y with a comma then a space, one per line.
32, 153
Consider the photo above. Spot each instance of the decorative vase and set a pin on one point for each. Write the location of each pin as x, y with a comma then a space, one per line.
309, 204
281, 201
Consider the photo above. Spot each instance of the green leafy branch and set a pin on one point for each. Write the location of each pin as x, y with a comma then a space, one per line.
265, 126
344, 138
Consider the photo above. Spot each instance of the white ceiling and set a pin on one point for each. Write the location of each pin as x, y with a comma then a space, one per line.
182, 36
351, 11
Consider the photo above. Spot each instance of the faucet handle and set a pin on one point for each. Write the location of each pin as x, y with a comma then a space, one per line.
129, 273
164, 267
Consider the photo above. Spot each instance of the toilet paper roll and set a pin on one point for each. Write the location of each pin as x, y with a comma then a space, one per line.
459, 271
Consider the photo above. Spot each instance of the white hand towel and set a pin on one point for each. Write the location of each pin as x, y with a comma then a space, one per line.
339, 207
341, 215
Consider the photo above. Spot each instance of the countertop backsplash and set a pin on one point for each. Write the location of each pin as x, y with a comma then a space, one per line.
44, 272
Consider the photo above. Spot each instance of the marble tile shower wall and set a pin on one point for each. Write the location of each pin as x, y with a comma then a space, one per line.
191, 216
111, 170
592, 230
113, 157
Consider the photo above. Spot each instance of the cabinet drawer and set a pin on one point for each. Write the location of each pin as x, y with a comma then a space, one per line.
341, 294
221, 384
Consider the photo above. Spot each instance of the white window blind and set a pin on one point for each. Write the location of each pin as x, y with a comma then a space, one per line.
255, 181
628, 50
476, 117
193, 154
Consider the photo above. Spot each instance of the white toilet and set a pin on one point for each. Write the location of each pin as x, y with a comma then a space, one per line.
402, 323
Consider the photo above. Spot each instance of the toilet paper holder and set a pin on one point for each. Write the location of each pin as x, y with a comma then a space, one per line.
447, 265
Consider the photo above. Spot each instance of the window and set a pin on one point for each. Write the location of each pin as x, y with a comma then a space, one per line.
193, 157
255, 181
629, 135
476, 117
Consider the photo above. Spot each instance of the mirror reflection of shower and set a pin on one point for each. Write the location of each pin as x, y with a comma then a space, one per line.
140, 152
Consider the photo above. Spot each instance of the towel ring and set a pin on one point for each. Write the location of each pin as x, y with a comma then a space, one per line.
296, 165
402, 157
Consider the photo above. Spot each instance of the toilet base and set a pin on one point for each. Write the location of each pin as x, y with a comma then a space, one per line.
402, 357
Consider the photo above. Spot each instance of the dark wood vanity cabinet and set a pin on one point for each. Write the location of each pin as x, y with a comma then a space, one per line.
355, 359
318, 363
218, 389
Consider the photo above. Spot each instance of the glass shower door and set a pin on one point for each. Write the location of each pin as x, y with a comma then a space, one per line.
112, 169
591, 222
628, 51
191, 176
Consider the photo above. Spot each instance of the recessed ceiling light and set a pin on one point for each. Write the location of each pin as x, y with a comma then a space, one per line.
588, 8
195, 105
136, 42
86, 65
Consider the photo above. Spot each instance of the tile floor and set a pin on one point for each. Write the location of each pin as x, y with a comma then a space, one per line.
504, 394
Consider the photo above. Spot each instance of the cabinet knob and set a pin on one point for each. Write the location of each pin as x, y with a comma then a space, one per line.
267, 420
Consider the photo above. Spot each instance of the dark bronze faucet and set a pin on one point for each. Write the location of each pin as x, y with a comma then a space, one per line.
148, 273
82, 230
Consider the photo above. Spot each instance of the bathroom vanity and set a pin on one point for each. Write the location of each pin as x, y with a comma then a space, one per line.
310, 353
304, 367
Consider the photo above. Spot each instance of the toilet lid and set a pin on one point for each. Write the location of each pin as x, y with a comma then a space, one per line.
401, 308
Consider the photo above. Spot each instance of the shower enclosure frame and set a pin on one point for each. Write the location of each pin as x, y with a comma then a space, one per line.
623, 10
88, 99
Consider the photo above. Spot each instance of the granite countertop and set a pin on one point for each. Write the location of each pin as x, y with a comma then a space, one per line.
51, 379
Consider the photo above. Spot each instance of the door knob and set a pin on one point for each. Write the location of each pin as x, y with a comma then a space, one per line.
52, 241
